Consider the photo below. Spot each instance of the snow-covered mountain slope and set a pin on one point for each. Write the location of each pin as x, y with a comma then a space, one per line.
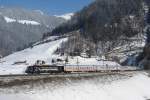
16, 63
129, 50
28, 22
19, 27
109, 87
10, 20
66, 16
30, 55
35, 15
39, 52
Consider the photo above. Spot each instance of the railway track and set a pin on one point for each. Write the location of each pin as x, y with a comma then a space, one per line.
10, 80
81, 74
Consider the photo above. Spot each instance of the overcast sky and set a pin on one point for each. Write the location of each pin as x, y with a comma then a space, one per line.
52, 7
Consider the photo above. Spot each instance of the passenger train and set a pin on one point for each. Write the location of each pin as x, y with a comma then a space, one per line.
39, 69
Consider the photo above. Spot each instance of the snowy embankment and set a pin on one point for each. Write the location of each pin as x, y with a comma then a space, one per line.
97, 88
30, 55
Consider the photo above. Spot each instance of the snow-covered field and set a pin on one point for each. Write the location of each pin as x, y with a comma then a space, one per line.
96, 88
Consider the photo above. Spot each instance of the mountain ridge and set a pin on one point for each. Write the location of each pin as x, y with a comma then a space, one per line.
20, 27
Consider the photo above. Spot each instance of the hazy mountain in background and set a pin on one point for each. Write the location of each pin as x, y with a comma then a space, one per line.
19, 27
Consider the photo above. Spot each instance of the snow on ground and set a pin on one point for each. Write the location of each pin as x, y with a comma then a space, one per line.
31, 55
133, 48
28, 22
90, 61
44, 50
9, 20
97, 88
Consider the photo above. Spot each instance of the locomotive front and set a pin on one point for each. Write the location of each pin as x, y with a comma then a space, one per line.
37, 69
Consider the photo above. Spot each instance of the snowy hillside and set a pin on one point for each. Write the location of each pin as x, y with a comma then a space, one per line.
30, 15
20, 27
10, 20
30, 55
43, 51
39, 52
129, 50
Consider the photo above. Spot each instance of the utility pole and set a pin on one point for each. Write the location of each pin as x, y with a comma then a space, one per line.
77, 64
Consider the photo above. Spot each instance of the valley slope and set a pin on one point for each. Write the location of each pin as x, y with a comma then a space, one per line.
20, 27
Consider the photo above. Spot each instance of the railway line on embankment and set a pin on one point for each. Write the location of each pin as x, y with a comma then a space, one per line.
18, 79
